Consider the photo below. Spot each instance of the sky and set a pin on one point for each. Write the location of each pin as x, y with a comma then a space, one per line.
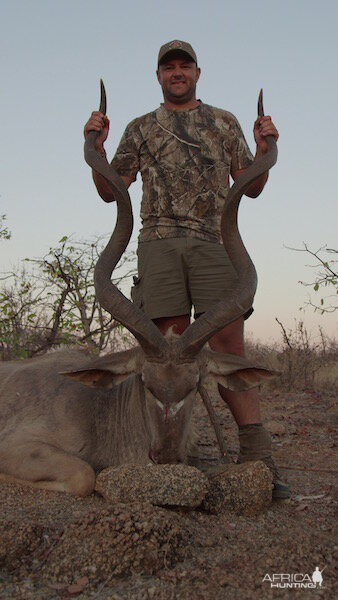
53, 55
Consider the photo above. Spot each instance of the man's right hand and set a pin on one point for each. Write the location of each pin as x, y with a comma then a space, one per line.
97, 122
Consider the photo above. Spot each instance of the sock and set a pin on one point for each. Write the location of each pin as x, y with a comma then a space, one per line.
254, 443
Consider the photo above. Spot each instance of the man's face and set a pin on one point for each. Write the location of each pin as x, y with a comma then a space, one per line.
178, 77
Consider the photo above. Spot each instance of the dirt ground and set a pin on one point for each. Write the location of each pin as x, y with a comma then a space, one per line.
224, 556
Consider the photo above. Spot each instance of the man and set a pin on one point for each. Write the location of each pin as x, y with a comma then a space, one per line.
186, 150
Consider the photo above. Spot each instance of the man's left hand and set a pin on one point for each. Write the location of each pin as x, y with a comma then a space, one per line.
263, 127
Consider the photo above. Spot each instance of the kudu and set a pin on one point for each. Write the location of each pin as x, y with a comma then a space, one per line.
136, 405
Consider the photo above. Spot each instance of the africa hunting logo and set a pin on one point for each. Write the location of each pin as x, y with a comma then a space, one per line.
295, 580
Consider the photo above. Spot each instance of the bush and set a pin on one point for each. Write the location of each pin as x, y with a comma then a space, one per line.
302, 363
52, 302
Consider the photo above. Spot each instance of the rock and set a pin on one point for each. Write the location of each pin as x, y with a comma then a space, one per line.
117, 541
245, 489
161, 485
69, 540
276, 428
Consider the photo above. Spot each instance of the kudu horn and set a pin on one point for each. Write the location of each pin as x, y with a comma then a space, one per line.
111, 299
239, 301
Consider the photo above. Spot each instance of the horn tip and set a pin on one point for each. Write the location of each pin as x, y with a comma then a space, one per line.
260, 109
103, 99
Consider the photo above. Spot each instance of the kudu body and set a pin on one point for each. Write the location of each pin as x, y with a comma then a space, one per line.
134, 406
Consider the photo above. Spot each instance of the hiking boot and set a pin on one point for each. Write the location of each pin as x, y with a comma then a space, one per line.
280, 490
255, 444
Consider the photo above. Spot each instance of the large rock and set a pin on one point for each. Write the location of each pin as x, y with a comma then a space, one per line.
245, 489
161, 485
60, 538
117, 541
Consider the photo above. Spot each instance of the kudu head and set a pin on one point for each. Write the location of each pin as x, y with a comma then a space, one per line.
172, 369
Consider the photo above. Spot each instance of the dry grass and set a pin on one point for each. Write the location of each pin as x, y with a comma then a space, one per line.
304, 363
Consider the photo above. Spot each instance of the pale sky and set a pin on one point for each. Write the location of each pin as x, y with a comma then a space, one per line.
53, 54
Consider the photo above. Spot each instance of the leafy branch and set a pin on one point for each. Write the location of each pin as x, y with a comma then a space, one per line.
325, 277
5, 234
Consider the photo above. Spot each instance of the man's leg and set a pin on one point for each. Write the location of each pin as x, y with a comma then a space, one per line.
254, 439
243, 405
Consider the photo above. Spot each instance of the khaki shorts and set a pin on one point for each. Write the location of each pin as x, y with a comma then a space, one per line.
178, 274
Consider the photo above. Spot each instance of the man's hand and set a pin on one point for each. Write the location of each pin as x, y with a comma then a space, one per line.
263, 126
97, 122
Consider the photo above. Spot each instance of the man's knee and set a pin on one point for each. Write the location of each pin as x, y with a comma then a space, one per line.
229, 340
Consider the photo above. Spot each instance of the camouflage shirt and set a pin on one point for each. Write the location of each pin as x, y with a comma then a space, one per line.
185, 159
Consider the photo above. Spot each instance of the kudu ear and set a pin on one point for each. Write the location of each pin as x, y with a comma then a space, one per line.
233, 372
109, 370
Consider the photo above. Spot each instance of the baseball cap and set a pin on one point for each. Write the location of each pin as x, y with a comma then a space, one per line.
176, 46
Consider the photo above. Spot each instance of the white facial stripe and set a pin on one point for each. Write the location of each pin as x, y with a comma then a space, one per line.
174, 409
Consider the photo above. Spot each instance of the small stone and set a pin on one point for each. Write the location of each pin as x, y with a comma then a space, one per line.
276, 427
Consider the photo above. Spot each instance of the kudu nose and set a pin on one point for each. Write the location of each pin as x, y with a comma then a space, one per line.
154, 457
166, 456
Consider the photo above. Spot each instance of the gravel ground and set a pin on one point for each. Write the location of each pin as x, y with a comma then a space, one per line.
55, 546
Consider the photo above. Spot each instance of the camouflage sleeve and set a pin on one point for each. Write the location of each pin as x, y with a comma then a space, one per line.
241, 154
126, 160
